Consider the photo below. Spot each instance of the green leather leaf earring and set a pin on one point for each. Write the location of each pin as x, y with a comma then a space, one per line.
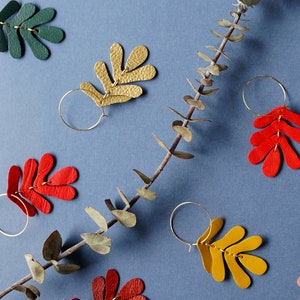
27, 24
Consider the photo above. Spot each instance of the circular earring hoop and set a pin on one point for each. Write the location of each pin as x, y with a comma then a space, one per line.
72, 126
27, 219
259, 77
189, 244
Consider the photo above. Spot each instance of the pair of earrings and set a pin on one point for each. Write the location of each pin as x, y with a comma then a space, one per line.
271, 142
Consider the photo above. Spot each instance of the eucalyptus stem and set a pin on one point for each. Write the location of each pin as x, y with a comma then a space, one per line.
241, 9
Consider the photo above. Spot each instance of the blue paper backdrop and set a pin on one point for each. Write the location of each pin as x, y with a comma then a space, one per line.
219, 176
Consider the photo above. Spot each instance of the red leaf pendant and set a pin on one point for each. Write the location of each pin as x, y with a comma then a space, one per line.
35, 183
271, 143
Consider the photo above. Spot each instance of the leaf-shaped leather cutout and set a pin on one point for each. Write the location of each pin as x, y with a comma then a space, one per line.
112, 284
50, 33
102, 74
116, 58
217, 248
98, 288
129, 90
43, 16
203, 247
93, 93
132, 288
14, 176
290, 156
8, 10
254, 264
260, 136
66, 175
263, 121
136, 58
257, 154
272, 163
143, 73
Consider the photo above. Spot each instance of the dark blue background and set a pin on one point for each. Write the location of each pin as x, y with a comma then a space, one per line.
219, 176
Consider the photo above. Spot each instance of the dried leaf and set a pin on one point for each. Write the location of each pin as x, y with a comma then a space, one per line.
97, 242
30, 291
196, 103
204, 56
126, 218
222, 67
217, 50
236, 38
216, 34
144, 177
183, 131
36, 269
224, 23
209, 92
185, 118
213, 69
206, 81
146, 194
192, 86
124, 198
65, 269
52, 246
97, 218
183, 155
160, 143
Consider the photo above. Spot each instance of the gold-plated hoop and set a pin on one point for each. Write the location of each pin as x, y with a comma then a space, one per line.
27, 219
72, 126
189, 244
259, 77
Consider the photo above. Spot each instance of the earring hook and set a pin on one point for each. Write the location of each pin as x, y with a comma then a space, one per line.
189, 244
27, 219
259, 77
72, 126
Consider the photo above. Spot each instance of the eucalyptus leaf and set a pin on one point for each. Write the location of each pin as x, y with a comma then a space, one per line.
97, 242
36, 269
52, 246
183, 155
196, 103
144, 177
124, 198
126, 218
217, 50
224, 23
209, 92
96, 216
192, 86
65, 269
204, 56
161, 143
206, 81
146, 194
183, 131
30, 291
216, 34
236, 38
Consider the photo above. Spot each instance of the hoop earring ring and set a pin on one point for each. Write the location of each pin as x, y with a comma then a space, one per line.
72, 126
27, 219
189, 244
259, 77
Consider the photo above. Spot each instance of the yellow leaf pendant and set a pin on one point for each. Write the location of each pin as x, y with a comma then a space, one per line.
116, 85
230, 250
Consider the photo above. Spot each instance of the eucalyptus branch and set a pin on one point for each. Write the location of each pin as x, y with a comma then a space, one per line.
241, 8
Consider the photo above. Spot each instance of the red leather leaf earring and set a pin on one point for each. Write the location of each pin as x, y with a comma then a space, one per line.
35, 183
271, 142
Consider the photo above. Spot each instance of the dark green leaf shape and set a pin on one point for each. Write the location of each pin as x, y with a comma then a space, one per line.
30, 291
26, 25
52, 34
9, 9
52, 246
14, 44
